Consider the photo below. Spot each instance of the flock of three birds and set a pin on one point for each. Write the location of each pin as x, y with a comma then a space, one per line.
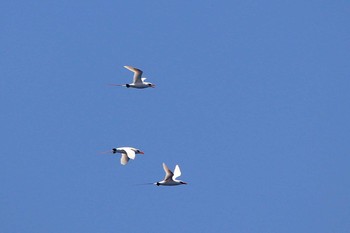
130, 152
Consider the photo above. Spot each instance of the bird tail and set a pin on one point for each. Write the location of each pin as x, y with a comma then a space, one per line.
118, 85
144, 184
105, 152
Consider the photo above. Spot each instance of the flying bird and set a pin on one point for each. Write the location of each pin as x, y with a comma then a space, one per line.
127, 153
138, 81
170, 177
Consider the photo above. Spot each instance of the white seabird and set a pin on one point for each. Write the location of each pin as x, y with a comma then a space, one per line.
170, 177
138, 81
127, 153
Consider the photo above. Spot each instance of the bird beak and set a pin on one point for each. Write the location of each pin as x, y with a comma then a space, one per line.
141, 152
183, 182
153, 86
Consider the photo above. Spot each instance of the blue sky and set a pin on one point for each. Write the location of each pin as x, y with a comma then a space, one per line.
252, 101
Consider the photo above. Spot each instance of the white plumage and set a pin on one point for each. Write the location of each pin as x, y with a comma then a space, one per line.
170, 177
138, 81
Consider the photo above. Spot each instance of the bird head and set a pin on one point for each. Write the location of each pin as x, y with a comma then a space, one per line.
139, 152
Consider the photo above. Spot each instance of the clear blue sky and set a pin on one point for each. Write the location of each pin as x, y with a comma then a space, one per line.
252, 101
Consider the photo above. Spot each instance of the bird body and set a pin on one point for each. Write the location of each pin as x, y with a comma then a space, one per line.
170, 177
138, 81
127, 153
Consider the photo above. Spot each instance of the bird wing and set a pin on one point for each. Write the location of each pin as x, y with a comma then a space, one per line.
124, 159
168, 174
177, 172
130, 153
137, 74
